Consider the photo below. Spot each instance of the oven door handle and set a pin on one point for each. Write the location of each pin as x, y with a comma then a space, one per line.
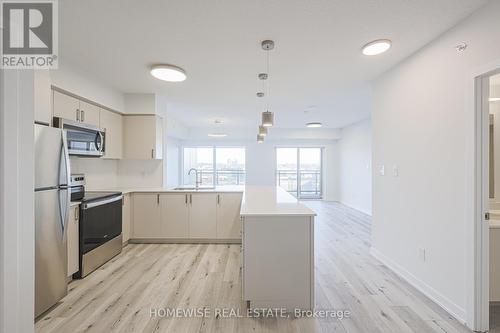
101, 202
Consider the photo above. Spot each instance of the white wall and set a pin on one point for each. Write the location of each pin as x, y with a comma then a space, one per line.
99, 173
423, 122
78, 82
355, 154
172, 163
17, 226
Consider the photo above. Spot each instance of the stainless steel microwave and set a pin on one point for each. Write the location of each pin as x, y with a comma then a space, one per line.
83, 139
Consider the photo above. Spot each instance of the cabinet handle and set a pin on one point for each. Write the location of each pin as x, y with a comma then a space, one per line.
157, 199
77, 214
152, 153
186, 199
82, 115
218, 199
191, 199
77, 115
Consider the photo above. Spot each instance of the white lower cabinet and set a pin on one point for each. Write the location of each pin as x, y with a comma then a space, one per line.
73, 239
174, 215
147, 216
228, 215
186, 216
126, 210
202, 215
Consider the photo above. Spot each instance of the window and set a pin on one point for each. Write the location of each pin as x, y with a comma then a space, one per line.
214, 166
298, 170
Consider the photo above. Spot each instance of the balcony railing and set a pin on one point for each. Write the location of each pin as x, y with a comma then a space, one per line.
309, 185
222, 177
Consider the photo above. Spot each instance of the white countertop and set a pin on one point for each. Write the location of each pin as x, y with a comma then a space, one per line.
125, 190
494, 224
271, 201
257, 200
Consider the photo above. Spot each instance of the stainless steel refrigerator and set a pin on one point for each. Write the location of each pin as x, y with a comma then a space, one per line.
52, 201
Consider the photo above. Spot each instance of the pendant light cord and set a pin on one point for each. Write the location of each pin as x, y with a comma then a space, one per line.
268, 81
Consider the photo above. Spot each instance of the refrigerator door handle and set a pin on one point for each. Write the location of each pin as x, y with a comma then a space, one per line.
64, 206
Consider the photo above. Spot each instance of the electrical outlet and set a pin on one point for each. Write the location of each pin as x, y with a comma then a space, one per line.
422, 254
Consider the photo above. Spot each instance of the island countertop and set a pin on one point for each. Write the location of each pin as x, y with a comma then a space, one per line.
271, 201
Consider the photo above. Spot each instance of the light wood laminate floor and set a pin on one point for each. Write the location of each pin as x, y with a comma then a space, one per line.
119, 296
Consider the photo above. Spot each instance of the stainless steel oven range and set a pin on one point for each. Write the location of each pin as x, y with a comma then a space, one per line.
100, 230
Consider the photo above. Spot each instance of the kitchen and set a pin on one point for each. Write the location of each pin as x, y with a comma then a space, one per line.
236, 167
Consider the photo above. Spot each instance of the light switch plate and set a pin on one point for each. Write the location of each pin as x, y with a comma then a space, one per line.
381, 170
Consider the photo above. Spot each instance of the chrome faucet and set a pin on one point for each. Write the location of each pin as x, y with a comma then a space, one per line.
198, 182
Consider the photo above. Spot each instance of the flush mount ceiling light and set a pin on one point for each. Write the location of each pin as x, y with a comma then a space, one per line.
260, 138
494, 99
168, 73
314, 125
267, 119
217, 135
262, 130
376, 47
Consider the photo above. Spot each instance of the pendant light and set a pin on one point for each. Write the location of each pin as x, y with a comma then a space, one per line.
267, 116
262, 130
267, 119
260, 138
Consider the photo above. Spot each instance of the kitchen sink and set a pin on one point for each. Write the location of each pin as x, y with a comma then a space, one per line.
192, 188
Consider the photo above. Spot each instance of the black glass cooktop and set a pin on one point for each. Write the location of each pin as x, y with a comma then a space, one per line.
91, 196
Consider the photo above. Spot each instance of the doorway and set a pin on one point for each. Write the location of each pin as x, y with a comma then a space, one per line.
487, 226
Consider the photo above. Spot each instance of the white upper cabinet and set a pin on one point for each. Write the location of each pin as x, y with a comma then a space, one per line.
72, 108
143, 137
65, 106
228, 215
202, 215
112, 123
89, 113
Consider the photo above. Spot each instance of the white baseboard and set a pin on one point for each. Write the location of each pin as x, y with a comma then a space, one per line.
453, 309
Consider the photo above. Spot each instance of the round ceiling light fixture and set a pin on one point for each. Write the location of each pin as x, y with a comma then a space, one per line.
314, 125
168, 73
376, 47
217, 135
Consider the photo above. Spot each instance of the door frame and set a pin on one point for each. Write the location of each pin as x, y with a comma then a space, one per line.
478, 233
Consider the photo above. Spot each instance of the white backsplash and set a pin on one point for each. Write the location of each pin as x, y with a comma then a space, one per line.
99, 173
109, 174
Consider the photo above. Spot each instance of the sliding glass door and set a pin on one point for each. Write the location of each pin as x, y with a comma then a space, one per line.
298, 170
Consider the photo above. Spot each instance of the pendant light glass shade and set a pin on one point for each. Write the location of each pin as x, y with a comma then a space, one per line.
260, 138
262, 130
267, 119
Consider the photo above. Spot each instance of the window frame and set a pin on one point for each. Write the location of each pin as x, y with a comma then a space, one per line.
214, 160
321, 175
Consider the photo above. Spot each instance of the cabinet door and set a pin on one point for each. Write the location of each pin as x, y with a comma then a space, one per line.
202, 215
73, 239
175, 215
141, 140
228, 215
126, 218
65, 106
112, 124
89, 113
146, 216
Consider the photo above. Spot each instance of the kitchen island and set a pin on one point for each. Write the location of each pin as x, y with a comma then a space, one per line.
275, 230
277, 250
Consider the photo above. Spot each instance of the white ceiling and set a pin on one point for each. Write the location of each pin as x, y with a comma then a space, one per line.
317, 61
